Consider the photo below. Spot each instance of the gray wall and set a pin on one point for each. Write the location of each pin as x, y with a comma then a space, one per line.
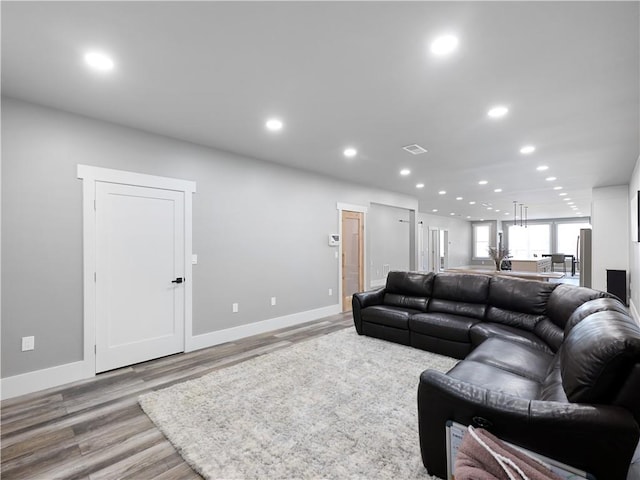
388, 241
459, 236
259, 229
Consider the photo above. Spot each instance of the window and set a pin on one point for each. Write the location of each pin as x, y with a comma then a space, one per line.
529, 242
567, 237
481, 237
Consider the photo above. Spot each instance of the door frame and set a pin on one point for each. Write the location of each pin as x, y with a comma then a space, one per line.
89, 176
433, 249
359, 209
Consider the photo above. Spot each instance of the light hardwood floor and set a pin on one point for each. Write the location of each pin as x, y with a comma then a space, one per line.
94, 429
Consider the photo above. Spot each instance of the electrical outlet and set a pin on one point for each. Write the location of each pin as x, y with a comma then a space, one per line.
28, 343
234, 308
273, 301
330, 291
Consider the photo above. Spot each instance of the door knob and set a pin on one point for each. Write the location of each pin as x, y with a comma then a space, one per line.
178, 280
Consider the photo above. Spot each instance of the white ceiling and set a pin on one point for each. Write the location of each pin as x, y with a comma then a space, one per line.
360, 74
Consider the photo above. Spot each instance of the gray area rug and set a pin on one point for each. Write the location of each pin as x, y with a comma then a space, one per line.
335, 407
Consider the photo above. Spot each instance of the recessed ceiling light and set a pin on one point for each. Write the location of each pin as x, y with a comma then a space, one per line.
458, 198
99, 61
468, 216
497, 190
562, 194
542, 168
482, 182
551, 179
419, 185
274, 124
350, 152
434, 210
498, 111
444, 45
452, 213
472, 203
578, 213
527, 149
442, 192
557, 188
489, 208
506, 213
566, 199
404, 172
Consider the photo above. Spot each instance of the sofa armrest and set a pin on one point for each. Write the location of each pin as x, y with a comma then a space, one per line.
599, 439
363, 300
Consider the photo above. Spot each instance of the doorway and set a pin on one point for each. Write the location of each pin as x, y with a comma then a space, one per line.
137, 267
352, 256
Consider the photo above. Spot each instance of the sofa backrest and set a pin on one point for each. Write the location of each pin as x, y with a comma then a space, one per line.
518, 302
566, 298
408, 290
593, 306
460, 294
600, 361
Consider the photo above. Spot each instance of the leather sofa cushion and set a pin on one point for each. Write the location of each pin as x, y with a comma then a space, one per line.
395, 317
404, 301
519, 295
552, 389
550, 333
513, 357
461, 287
598, 355
566, 298
473, 310
593, 306
495, 379
411, 284
482, 331
442, 325
525, 321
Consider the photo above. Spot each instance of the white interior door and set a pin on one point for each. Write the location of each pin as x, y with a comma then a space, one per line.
139, 271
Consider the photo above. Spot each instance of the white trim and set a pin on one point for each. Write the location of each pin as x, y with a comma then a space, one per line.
353, 208
235, 333
635, 315
42, 379
90, 175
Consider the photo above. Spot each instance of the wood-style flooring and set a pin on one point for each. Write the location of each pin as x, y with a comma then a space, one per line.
94, 429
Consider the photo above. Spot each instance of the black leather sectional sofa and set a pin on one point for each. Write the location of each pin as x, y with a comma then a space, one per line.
553, 368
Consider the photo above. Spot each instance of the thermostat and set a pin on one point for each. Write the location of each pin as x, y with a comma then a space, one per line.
334, 240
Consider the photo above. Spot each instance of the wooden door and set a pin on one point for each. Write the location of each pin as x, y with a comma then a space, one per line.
352, 256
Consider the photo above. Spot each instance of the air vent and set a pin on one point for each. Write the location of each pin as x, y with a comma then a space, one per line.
414, 149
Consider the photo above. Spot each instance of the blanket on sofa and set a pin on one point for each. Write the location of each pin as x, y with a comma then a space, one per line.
482, 456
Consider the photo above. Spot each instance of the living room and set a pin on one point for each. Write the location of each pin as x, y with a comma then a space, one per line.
264, 202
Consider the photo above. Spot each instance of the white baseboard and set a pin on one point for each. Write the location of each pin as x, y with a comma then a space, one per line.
235, 333
55, 376
42, 379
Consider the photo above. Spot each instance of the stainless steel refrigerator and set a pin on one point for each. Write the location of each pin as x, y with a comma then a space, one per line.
583, 251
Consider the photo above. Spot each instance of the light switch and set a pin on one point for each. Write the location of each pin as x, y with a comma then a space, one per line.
194, 259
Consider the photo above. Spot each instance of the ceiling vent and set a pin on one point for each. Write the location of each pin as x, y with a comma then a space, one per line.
414, 149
